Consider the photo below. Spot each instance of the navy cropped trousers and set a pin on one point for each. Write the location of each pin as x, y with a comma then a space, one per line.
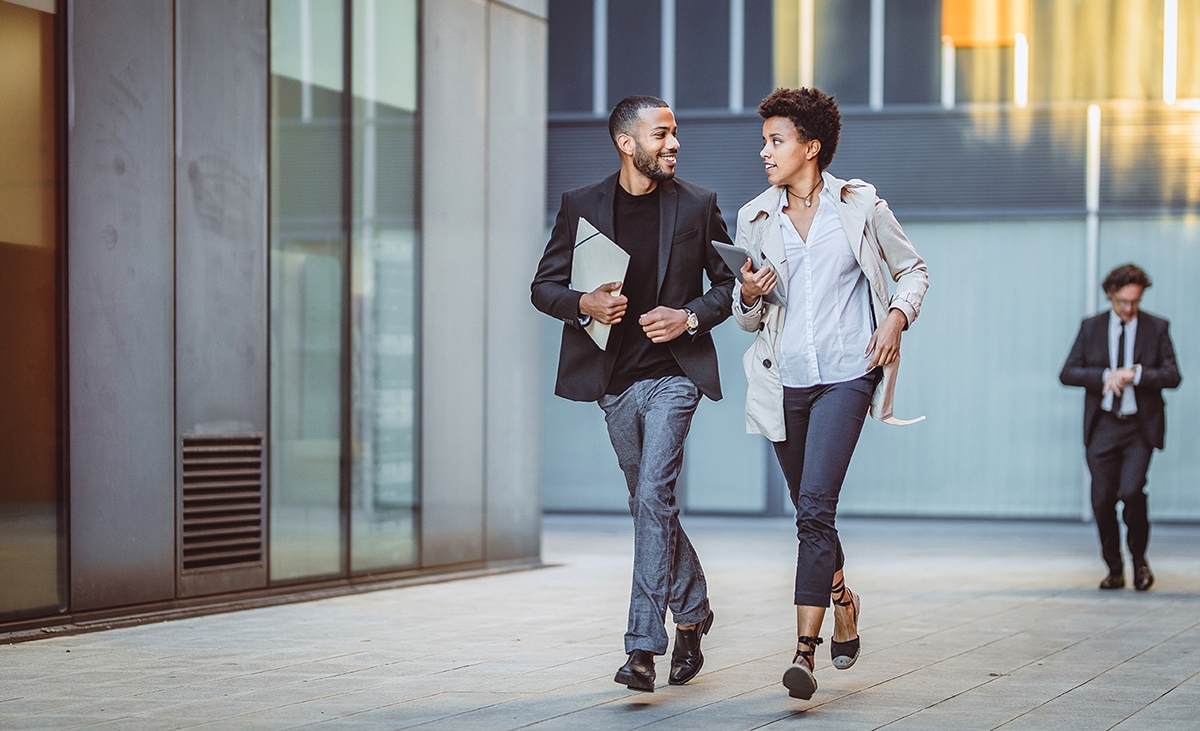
823, 424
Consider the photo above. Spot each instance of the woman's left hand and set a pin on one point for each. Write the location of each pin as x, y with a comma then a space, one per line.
885, 341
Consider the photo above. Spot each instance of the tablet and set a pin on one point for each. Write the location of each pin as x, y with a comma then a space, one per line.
736, 256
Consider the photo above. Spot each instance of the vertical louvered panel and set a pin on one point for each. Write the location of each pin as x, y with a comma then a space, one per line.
222, 512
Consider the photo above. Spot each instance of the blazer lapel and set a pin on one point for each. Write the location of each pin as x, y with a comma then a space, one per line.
1139, 340
604, 207
668, 206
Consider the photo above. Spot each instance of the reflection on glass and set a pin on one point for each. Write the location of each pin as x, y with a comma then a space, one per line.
306, 287
29, 565
995, 51
384, 225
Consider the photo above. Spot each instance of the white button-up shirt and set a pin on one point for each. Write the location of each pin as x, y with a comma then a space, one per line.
1128, 403
827, 323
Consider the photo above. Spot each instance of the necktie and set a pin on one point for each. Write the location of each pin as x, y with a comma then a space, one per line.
1116, 407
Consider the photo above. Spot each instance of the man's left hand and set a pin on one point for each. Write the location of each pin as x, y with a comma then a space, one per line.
663, 324
1118, 380
885, 341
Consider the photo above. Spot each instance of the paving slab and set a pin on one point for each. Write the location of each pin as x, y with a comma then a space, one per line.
965, 625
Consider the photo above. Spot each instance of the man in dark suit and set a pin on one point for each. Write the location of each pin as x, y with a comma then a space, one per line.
658, 361
1124, 359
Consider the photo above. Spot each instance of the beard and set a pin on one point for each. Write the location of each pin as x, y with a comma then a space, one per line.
647, 164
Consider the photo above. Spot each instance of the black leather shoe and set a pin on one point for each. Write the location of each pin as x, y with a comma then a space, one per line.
1143, 579
638, 673
1114, 581
686, 659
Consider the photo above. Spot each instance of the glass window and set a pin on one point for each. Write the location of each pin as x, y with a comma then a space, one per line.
29, 428
912, 56
984, 37
307, 271
570, 56
758, 46
384, 290
634, 49
702, 54
842, 45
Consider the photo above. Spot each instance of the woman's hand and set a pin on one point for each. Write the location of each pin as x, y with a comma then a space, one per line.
756, 284
885, 341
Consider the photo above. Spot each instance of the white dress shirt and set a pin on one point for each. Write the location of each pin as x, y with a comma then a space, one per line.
827, 323
1128, 403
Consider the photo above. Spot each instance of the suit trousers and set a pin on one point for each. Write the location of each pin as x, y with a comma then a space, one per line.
647, 425
1118, 457
823, 424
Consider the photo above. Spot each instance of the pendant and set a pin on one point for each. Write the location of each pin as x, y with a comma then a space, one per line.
807, 203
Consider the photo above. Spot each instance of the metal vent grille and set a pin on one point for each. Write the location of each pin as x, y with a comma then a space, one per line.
222, 501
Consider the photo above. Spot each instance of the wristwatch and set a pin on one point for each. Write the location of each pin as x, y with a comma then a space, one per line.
693, 322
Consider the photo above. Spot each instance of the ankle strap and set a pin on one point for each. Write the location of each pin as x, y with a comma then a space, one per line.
812, 642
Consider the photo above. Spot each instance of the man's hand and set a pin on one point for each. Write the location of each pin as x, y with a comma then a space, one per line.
756, 284
885, 341
604, 305
1118, 380
663, 323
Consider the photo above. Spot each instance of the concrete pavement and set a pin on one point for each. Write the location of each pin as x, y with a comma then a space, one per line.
965, 625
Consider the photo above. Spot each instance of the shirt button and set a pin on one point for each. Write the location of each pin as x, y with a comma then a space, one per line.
767, 363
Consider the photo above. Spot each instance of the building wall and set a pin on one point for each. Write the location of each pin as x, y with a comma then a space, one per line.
993, 194
168, 192
483, 181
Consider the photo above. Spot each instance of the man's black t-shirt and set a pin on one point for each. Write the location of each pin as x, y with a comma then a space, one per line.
636, 223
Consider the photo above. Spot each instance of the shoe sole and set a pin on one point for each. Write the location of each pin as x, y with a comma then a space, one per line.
800, 682
630, 681
704, 628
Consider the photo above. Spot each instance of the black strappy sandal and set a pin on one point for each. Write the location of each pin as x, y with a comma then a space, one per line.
845, 654
799, 678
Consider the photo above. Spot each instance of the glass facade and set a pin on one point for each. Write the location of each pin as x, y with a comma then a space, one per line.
29, 358
1027, 146
344, 252
384, 257
308, 265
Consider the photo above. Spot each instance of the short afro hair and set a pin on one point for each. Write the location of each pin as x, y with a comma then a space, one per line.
1125, 275
624, 118
814, 114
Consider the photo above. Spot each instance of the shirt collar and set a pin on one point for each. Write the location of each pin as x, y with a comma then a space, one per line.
1114, 321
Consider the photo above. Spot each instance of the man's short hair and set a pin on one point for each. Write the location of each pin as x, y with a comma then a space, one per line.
1125, 275
624, 118
814, 114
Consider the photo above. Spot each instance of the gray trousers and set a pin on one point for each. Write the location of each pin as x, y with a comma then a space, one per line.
647, 425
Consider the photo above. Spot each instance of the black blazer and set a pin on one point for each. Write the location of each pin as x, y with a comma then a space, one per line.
1152, 348
689, 220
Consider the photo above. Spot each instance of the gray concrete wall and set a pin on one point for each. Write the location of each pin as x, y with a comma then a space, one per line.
120, 302
482, 186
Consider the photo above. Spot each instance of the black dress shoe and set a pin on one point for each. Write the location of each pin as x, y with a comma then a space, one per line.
1143, 579
638, 673
686, 659
1113, 581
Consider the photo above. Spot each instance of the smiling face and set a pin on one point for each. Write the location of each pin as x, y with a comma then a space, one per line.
785, 155
654, 148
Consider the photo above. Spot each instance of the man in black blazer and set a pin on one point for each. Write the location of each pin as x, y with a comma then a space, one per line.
1124, 359
658, 361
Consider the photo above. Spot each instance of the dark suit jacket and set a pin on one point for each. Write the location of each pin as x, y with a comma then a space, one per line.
1151, 348
689, 220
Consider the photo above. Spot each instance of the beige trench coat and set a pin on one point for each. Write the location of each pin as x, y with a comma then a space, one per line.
880, 247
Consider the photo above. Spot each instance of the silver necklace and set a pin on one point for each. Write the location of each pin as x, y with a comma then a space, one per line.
808, 198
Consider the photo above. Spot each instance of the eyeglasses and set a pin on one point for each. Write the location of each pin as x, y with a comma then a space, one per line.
1126, 303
